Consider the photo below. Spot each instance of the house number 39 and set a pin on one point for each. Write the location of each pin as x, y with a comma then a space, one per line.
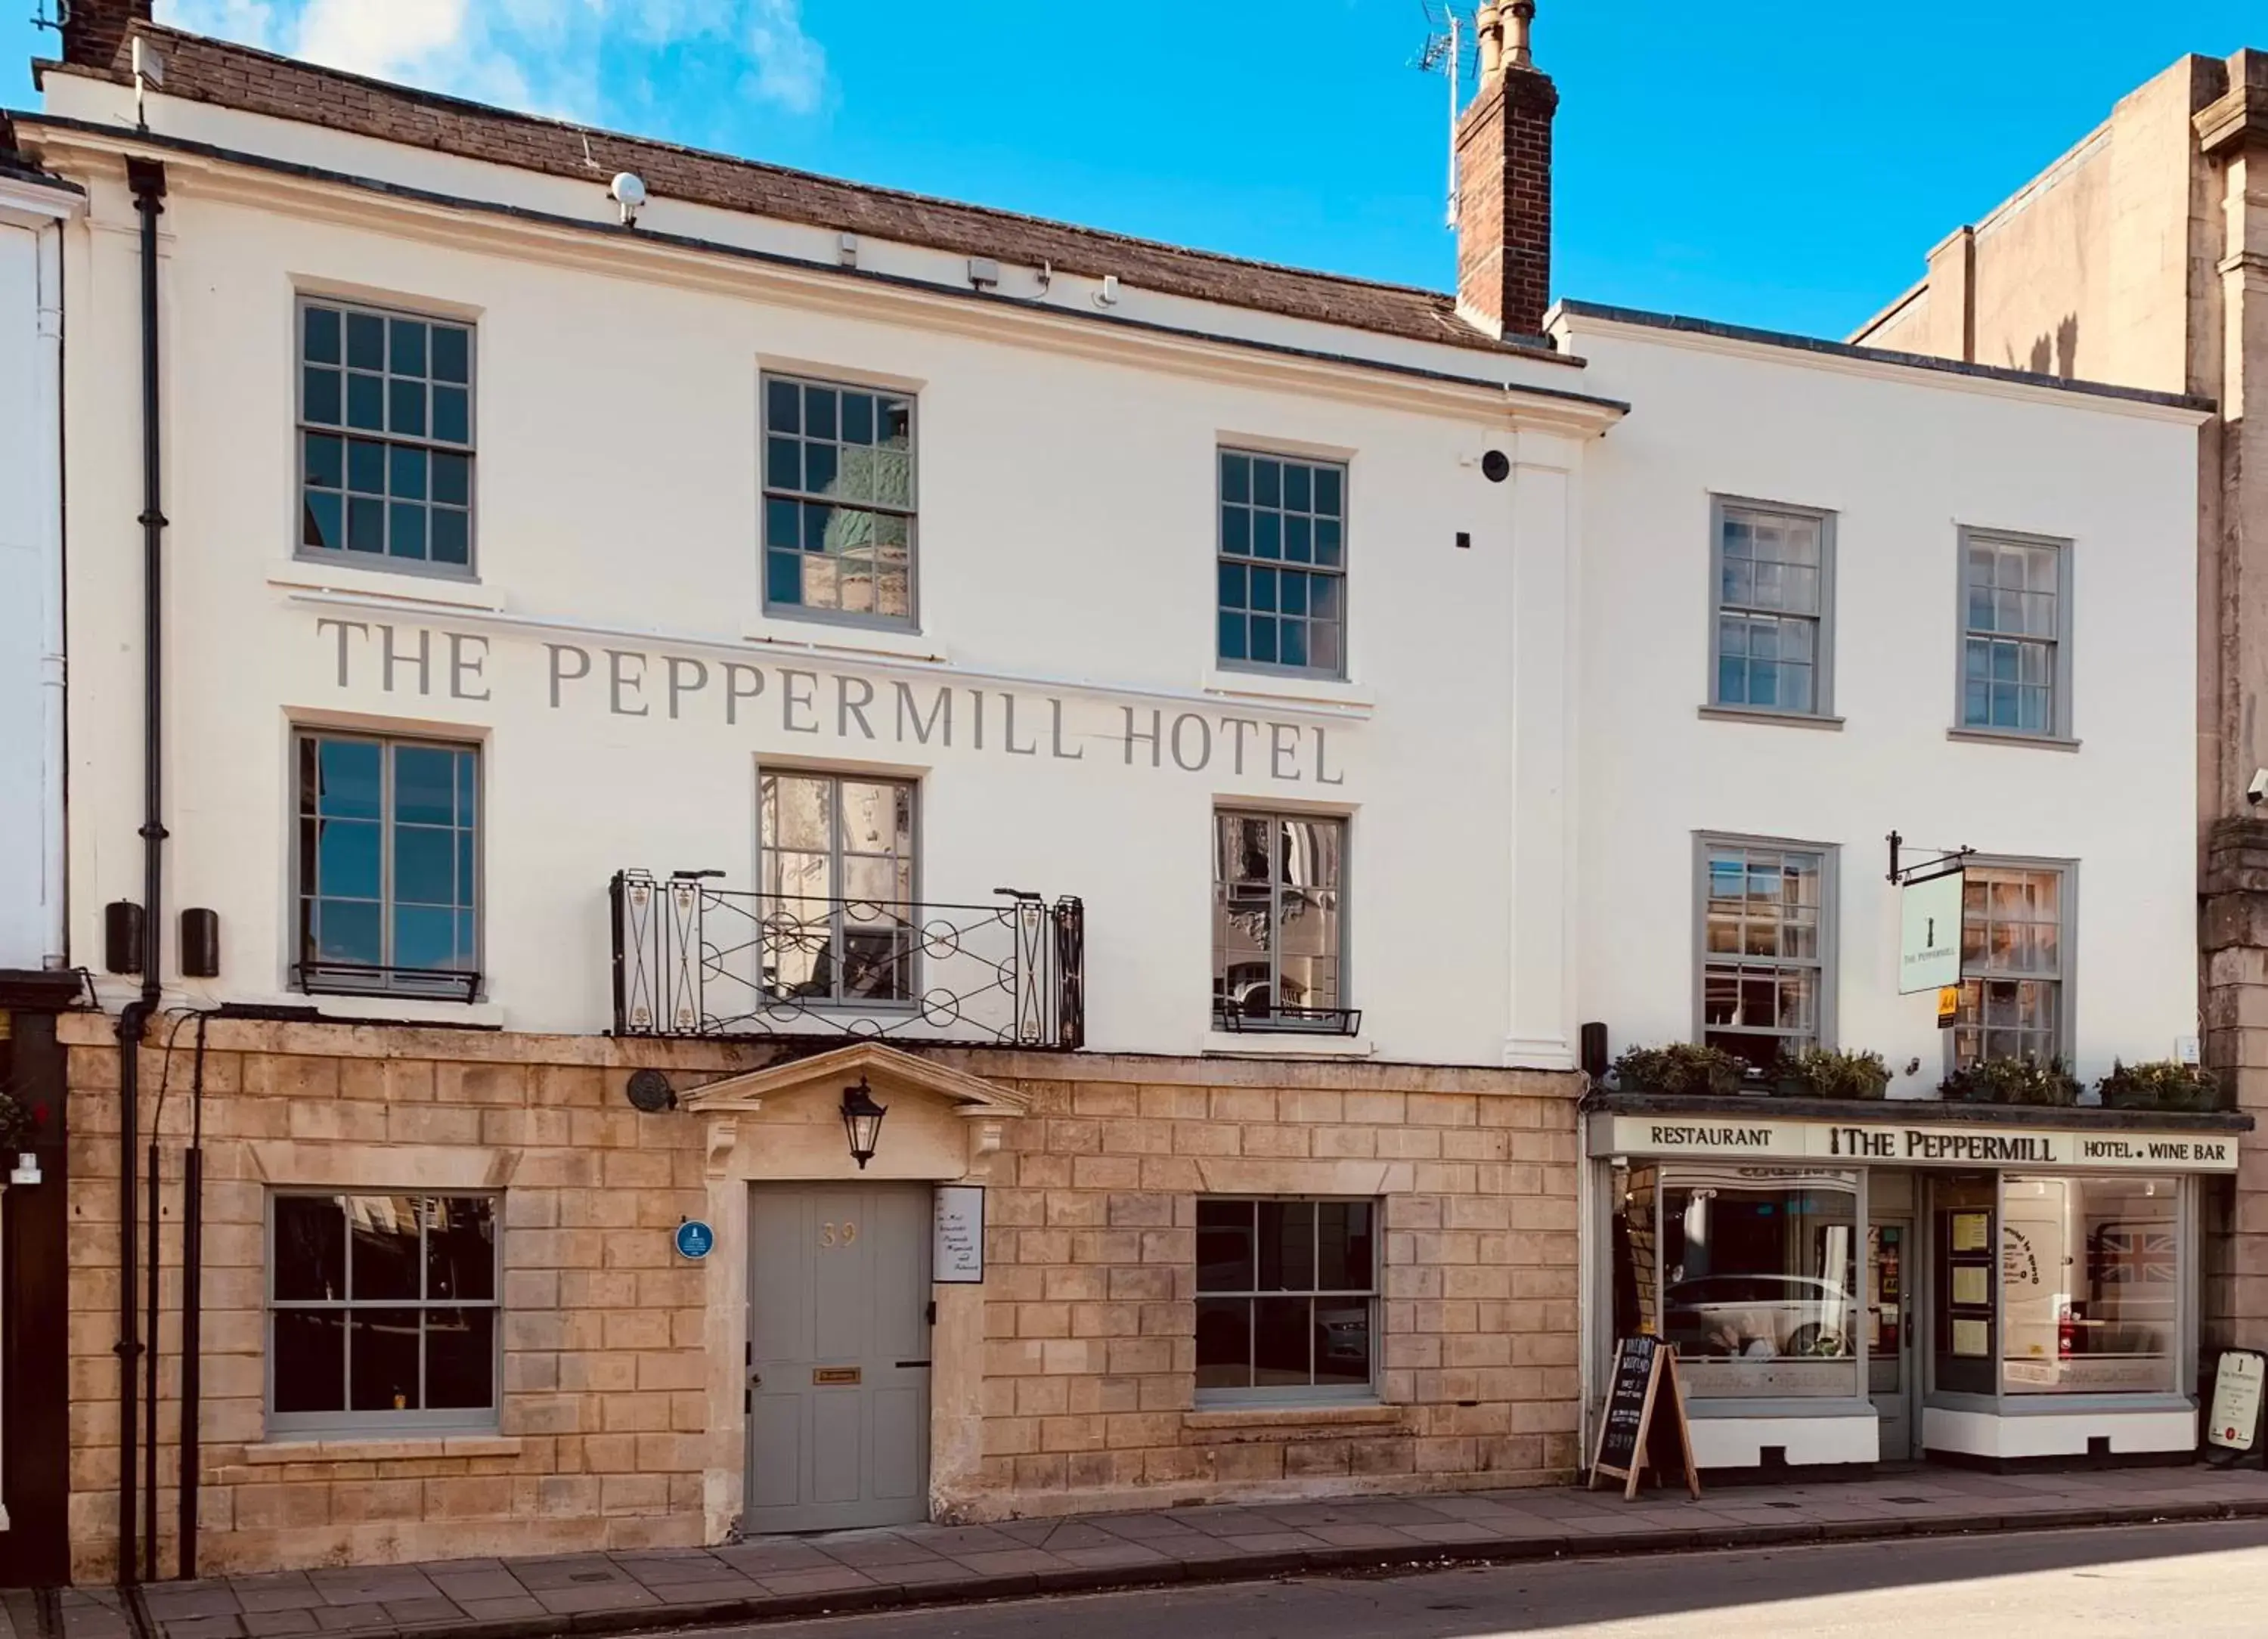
837, 1234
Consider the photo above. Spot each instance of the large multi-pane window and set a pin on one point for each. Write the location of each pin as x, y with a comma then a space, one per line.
2014, 605
1282, 564
1767, 937
1750, 1273
838, 501
1287, 1292
1278, 960
388, 866
837, 921
1771, 644
385, 437
2012, 945
382, 1312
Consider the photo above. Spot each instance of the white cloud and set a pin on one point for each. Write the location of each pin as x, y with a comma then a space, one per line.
568, 57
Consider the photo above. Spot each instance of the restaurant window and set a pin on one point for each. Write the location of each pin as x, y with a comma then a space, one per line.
1278, 960
1287, 1298
838, 502
382, 1312
388, 862
1749, 1274
836, 919
1281, 564
2015, 933
2091, 1280
1767, 943
386, 438
1770, 639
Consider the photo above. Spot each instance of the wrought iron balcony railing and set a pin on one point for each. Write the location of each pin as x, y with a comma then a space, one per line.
694, 960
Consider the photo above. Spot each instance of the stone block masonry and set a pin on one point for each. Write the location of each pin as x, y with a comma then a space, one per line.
611, 1433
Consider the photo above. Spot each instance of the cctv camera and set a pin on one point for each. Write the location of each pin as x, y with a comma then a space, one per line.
2257, 792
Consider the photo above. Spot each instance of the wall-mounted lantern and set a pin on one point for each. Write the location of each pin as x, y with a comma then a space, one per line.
862, 1121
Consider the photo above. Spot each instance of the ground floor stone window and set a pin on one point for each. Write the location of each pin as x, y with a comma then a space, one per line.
1287, 1293
382, 1312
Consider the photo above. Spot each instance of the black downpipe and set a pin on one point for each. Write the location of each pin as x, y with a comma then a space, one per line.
150, 1361
193, 1250
147, 178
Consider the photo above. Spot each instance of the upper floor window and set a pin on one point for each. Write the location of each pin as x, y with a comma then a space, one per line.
1278, 961
2016, 649
838, 502
382, 1312
1770, 637
1767, 944
836, 875
2014, 931
1283, 564
385, 438
388, 861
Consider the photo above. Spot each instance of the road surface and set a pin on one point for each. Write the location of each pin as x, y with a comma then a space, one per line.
2195, 1580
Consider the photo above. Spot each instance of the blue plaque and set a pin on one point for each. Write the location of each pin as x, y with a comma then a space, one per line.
695, 1239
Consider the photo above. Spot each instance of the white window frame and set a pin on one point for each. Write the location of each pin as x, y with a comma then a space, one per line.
2059, 732
1822, 711
1828, 964
867, 619
2065, 981
377, 1424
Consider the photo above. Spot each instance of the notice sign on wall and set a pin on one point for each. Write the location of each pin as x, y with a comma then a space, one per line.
1929, 933
2234, 1425
957, 1246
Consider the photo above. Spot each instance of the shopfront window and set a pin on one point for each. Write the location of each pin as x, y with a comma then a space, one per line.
2091, 1279
1750, 1273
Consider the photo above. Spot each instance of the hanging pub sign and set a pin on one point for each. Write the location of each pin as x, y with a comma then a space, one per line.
1929, 933
2234, 1428
1643, 1425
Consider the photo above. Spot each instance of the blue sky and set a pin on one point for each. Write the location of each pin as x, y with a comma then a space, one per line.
1782, 163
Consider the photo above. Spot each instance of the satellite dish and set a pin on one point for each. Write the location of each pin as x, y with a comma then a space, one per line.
627, 190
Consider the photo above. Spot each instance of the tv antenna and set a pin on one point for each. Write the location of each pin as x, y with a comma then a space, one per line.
1452, 50
58, 22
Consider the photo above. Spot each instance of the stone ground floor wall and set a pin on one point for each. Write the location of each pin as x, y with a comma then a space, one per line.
1070, 1373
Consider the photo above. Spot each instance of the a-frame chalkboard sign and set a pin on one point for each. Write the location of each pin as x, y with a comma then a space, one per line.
1643, 1425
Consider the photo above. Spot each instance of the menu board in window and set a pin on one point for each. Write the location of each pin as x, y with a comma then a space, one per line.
1966, 1286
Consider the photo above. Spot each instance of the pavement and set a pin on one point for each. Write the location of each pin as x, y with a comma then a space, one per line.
777, 1578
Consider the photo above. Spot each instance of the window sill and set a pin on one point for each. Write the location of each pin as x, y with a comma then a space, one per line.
406, 586
380, 1448
416, 1009
846, 641
1786, 719
1261, 688
2009, 737
1286, 1044
1358, 1415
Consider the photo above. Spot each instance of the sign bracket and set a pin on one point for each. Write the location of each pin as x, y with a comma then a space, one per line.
1942, 863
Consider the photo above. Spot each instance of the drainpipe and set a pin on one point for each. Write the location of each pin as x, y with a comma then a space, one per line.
193, 1246
54, 945
147, 178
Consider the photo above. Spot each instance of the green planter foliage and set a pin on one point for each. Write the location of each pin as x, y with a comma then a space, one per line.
2160, 1084
2013, 1080
1680, 1067
1823, 1073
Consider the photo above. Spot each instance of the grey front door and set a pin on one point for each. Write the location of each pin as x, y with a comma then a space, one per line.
838, 1369
1891, 1275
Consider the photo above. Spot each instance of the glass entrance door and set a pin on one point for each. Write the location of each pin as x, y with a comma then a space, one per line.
1890, 1376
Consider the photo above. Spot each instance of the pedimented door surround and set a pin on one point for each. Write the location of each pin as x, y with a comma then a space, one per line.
783, 1123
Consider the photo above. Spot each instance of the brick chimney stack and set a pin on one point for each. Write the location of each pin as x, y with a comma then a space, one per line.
97, 29
1503, 179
